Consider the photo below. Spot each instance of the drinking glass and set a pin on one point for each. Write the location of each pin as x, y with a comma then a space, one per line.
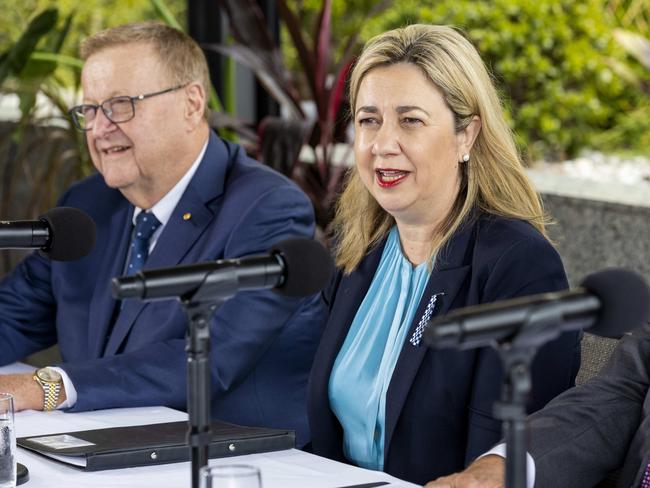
7, 442
230, 476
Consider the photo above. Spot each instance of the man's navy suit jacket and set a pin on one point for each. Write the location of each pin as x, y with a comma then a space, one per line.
439, 402
262, 344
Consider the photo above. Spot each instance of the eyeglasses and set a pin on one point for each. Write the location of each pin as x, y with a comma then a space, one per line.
116, 109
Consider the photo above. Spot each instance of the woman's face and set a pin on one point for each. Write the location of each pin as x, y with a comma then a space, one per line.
406, 149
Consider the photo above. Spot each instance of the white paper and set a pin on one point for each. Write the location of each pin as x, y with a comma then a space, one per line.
63, 441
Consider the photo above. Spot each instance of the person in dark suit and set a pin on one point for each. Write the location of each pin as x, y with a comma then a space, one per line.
587, 432
144, 114
436, 215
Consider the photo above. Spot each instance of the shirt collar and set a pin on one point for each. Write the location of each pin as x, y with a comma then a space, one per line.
166, 205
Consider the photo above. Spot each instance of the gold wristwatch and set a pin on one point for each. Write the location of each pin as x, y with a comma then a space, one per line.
50, 380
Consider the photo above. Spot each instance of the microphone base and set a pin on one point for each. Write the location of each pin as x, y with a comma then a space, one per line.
22, 474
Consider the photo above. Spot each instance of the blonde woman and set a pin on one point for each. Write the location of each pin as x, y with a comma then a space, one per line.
436, 215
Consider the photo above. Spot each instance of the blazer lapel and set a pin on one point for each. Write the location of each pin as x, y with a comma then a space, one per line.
102, 304
446, 280
350, 293
198, 201
180, 234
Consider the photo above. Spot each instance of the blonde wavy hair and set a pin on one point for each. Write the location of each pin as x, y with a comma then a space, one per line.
493, 180
181, 56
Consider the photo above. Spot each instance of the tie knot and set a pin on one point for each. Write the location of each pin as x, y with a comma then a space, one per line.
146, 224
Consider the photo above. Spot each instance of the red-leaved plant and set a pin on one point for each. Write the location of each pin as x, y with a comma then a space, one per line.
281, 140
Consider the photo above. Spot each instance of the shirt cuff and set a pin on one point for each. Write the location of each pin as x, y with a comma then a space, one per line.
70, 391
500, 450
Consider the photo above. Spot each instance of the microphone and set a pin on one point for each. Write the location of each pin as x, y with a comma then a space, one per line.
609, 302
62, 233
294, 267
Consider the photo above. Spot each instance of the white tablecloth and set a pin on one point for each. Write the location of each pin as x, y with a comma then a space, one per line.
282, 469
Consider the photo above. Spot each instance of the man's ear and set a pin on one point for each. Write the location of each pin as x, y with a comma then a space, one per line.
195, 104
467, 136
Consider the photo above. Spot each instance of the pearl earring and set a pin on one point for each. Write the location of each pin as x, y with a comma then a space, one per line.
465, 158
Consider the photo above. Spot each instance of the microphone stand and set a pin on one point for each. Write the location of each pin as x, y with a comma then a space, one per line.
517, 356
199, 308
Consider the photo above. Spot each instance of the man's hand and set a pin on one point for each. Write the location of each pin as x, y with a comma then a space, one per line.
487, 472
27, 393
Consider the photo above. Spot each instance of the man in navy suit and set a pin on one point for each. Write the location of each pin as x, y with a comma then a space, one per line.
144, 114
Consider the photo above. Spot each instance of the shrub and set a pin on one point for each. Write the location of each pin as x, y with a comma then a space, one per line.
555, 62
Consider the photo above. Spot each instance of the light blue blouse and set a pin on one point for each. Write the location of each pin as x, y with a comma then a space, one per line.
364, 366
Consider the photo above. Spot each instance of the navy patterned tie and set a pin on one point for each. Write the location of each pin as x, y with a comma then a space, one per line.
145, 225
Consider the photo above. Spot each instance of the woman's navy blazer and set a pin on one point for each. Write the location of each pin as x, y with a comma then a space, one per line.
439, 402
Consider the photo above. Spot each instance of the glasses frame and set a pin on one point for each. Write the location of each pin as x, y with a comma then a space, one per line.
107, 113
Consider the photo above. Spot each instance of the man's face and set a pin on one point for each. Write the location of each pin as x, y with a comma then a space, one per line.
140, 157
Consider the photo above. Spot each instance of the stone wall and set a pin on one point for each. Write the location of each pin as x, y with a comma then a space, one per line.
591, 235
599, 224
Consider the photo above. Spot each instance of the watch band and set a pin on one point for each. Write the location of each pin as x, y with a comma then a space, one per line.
51, 391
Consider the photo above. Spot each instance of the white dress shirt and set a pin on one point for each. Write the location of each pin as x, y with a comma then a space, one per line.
500, 450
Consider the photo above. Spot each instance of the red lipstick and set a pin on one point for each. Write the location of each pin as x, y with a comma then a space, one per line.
388, 177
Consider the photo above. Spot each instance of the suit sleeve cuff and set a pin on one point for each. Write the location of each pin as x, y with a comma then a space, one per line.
500, 450
70, 391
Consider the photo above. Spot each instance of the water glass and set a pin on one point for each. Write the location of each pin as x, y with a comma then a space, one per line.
230, 476
7, 442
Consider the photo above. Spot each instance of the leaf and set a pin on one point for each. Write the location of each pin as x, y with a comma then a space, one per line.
37, 69
337, 94
19, 53
27, 102
254, 47
165, 14
268, 77
306, 57
635, 44
321, 58
59, 59
247, 24
42, 64
351, 43
57, 38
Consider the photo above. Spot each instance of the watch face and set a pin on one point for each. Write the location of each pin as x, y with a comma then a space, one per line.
49, 375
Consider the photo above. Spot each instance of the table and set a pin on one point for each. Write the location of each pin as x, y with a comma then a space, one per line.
281, 469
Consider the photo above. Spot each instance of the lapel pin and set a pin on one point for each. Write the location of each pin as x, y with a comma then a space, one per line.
187, 216
416, 338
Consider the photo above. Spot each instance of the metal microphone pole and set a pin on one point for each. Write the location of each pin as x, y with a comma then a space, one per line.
199, 307
517, 355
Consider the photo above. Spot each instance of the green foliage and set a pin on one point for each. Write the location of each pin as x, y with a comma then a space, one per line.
58, 143
633, 15
631, 134
348, 20
42, 153
16, 58
90, 16
555, 63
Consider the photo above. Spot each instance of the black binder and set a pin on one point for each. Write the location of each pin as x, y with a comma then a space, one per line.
144, 445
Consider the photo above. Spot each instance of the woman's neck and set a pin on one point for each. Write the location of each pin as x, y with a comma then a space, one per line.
416, 240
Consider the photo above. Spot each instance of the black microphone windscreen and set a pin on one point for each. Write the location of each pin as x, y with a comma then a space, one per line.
624, 298
308, 267
72, 233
